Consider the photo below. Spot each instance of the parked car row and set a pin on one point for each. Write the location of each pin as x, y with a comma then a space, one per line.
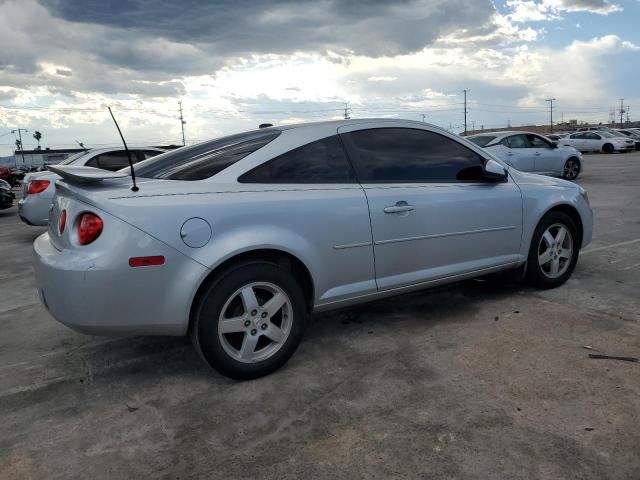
39, 188
605, 141
530, 152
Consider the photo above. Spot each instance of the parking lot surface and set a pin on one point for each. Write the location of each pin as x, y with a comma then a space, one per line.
473, 381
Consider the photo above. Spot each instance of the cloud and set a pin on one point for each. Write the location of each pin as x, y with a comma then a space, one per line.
535, 11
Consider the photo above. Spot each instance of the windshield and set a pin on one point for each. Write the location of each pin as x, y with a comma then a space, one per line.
73, 157
610, 134
482, 140
205, 159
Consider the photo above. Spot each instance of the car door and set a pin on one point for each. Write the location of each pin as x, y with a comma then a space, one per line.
547, 158
518, 154
432, 214
592, 142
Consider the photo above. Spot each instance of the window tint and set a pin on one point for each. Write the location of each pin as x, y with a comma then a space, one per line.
537, 142
323, 161
516, 141
592, 136
204, 160
145, 154
577, 136
114, 160
482, 140
412, 155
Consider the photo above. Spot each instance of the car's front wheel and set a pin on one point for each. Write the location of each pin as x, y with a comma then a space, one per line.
553, 253
571, 169
608, 148
250, 320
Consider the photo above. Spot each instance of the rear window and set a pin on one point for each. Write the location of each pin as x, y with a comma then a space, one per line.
482, 140
204, 160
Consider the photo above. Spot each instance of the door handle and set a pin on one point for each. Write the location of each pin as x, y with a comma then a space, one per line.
510, 154
399, 207
537, 154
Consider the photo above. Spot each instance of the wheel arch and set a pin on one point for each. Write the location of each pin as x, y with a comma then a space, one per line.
570, 211
280, 257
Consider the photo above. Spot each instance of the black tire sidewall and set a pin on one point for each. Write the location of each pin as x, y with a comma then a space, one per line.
215, 296
534, 271
608, 148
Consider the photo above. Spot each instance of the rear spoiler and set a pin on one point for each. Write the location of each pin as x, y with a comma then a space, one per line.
80, 175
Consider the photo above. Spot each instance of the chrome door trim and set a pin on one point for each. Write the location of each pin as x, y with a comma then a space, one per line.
440, 235
352, 245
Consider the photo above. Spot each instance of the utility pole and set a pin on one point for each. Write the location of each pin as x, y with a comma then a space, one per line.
551, 100
19, 130
182, 121
423, 117
346, 111
621, 111
465, 110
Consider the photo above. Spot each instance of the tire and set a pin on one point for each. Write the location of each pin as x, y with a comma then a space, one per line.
247, 349
545, 273
571, 169
608, 148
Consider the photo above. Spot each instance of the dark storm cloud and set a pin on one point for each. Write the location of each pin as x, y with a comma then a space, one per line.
229, 28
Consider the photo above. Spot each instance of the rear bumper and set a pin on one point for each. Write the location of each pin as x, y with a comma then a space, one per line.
105, 296
34, 210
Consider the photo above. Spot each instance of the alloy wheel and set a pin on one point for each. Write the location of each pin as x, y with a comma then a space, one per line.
255, 322
571, 169
555, 250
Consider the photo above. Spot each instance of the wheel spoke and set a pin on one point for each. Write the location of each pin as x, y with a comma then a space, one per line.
275, 304
232, 325
249, 299
544, 258
560, 236
555, 266
248, 346
548, 238
274, 333
565, 253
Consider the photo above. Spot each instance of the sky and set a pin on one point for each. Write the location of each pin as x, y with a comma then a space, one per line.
234, 64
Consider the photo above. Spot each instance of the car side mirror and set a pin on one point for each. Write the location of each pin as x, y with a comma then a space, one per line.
554, 144
494, 171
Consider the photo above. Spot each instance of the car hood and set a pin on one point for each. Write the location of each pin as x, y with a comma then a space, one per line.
525, 178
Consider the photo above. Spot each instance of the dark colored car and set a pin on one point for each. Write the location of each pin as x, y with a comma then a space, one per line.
6, 195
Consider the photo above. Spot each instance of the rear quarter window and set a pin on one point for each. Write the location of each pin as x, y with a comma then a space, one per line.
204, 160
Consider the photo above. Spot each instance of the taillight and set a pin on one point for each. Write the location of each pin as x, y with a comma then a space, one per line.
62, 221
89, 227
37, 186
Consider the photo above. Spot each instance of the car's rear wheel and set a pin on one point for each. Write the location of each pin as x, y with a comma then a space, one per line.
571, 169
554, 251
250, 320
607, 148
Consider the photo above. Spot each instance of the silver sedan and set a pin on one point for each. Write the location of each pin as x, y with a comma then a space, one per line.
235, 241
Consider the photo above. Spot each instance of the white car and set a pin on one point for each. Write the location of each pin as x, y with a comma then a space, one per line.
38, 188
598, 141
530, 152
632, 134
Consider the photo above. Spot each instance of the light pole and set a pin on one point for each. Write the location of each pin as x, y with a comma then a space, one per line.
551, 100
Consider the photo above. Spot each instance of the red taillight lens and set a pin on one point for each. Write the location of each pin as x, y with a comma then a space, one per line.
62, 221
89, 228
146, 261
37, 186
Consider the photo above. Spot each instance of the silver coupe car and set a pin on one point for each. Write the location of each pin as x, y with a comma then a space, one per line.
235, 241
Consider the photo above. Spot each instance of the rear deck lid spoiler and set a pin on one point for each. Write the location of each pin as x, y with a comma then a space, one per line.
81, 175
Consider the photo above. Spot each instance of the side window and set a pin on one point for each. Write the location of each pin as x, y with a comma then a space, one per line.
516, 141
323, 161
593, 136
112, 160
407, 155
144, 154
537, 142
577, 136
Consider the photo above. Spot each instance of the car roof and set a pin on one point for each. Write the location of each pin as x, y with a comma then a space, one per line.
503, 133
353, 121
